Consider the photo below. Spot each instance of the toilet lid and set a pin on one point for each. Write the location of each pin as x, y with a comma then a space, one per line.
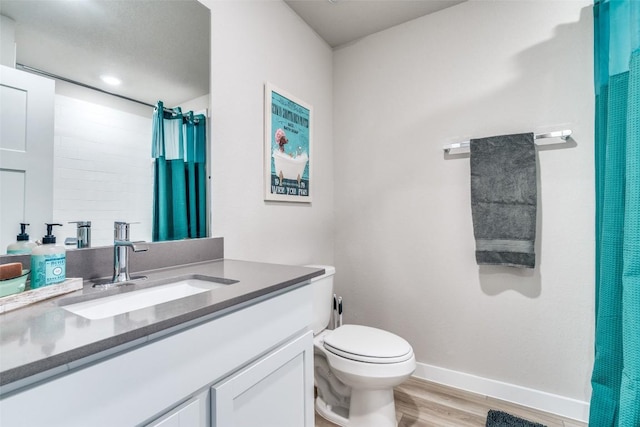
366, 344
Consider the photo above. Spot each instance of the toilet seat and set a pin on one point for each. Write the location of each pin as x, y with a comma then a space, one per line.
366, 344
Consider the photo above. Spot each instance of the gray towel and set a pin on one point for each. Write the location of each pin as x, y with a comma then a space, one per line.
504, 199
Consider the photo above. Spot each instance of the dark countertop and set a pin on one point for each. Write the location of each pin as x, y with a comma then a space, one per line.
44, 339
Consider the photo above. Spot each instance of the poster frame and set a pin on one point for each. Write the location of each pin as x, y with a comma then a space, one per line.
298, 189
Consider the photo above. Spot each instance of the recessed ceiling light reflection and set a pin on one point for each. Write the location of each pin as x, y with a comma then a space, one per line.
110, 80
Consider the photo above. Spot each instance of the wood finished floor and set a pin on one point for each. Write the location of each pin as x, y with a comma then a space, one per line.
421, 403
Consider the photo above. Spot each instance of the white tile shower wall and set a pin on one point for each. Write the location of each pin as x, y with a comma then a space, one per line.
102, 170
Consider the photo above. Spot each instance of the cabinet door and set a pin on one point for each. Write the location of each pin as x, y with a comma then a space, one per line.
192, 413
26, 152
275, 391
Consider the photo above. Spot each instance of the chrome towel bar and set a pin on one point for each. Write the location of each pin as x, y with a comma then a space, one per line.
562, 134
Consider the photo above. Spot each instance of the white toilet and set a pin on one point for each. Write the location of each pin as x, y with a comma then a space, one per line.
356, 367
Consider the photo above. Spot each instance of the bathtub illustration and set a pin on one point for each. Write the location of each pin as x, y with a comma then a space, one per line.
289, 167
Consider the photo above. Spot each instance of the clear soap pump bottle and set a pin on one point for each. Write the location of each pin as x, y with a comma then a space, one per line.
22, 246
48, 261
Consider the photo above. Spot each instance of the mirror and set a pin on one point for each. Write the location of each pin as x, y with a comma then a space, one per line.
103, 171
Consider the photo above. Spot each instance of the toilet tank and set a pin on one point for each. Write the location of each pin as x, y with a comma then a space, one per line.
322, 298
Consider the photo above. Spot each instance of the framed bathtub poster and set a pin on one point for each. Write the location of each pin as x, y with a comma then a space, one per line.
287, 147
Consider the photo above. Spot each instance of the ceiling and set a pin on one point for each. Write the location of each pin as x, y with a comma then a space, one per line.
147, 44
340, 22
150, 44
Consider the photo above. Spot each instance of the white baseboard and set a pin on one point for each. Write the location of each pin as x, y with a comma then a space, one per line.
543, 401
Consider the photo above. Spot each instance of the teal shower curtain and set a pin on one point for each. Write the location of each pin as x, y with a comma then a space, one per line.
615, 380
180, 174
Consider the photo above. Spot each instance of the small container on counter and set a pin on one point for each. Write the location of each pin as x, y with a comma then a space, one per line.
13, 278
48, 261
22, 245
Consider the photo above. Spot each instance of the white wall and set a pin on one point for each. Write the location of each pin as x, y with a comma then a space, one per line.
401, 234
254, 42
404, 244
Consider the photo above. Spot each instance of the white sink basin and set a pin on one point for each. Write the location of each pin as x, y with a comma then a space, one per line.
114, 305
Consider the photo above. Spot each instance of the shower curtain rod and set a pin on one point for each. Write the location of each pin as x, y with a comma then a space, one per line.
562, 134
64, 79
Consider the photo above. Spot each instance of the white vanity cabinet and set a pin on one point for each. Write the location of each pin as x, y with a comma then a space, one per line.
251, 366
271, 392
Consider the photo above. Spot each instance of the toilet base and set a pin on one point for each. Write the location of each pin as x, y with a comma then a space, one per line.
368, 408
326, 412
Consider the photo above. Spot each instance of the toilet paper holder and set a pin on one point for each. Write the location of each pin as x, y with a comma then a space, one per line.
337, 311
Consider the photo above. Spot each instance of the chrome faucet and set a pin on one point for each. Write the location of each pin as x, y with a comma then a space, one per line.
83, 234
121, 245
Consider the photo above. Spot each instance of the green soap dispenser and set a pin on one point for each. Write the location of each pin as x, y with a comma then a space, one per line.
48, 261
22, 246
